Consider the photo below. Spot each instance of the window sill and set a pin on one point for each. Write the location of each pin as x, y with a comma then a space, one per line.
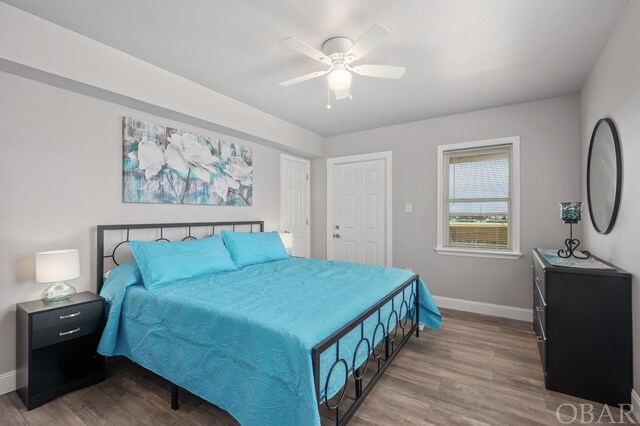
478, 253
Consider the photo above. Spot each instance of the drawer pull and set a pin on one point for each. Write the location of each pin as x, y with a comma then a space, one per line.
70, 315
544, 303
66, 333
543, 337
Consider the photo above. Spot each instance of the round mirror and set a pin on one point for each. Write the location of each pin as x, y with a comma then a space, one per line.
604, 176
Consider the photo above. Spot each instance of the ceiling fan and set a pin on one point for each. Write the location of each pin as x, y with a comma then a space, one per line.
339, 53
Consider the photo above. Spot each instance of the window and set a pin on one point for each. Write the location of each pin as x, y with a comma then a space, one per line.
478, 198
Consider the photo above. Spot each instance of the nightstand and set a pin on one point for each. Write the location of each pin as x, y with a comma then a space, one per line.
56, 347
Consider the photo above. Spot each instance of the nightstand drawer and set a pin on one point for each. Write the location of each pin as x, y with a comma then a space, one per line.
62, 333
65, 316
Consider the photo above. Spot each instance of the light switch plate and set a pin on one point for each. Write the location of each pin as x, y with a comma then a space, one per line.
408, 207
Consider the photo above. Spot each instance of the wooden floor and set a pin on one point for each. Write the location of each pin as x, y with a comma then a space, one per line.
475, 370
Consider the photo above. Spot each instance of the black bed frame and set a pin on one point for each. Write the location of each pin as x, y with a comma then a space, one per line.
405, 317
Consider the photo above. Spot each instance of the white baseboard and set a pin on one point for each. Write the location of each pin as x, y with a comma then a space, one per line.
7, 382
635, 405
503, 311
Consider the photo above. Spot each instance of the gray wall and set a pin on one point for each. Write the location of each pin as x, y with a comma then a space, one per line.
613, 90
549, 133
60, 171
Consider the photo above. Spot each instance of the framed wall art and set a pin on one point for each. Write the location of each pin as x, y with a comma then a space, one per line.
161, 164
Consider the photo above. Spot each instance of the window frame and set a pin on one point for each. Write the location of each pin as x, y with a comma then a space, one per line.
514, 252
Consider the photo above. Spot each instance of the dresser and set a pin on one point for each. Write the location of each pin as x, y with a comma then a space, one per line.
582, 320
56, 347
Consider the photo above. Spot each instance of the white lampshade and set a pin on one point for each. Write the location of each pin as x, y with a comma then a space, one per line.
287, 239
339, 79
58, 265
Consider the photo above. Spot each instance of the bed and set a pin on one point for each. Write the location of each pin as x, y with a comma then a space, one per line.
258, 342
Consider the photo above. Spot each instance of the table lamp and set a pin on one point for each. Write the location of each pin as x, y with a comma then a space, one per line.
287, 240
55, 267
571, 212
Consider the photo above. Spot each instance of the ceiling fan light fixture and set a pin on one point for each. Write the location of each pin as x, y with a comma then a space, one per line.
339, 79
339, 53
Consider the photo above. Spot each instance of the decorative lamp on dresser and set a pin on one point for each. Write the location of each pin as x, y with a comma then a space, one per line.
582, 320
56, 347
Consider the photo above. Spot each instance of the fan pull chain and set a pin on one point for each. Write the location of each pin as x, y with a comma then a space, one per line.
328, 98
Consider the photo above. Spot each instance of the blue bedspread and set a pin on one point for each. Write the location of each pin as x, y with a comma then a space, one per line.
242, 340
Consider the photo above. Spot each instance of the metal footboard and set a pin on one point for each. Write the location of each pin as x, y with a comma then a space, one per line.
405, 317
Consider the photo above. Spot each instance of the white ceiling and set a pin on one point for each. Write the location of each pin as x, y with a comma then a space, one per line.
461, 55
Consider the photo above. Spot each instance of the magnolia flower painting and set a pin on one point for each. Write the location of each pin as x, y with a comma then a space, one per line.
165, 165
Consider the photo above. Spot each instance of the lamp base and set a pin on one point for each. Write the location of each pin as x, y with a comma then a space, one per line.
58, 292
572, 247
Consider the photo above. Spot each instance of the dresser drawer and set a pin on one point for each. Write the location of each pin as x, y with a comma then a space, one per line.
541, 338
66, 316
62, 333
540, 310
538, 276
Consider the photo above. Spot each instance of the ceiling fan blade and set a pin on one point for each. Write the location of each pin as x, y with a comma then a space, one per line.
305, 49
381, 71
369, 41
341, 94
302, 78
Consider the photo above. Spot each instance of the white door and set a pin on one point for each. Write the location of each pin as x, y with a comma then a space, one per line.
294, 203
359, 212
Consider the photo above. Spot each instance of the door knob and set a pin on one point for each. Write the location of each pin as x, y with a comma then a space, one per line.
336, 235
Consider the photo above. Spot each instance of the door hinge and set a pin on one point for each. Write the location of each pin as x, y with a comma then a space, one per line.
307, 221
307, 176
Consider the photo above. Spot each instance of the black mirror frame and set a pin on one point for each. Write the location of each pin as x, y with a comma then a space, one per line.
616, 203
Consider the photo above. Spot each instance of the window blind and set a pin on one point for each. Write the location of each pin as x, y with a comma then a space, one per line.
478, 194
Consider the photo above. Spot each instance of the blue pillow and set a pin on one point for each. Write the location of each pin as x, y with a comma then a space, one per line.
162, 262
114, 290
250, 248
119, 278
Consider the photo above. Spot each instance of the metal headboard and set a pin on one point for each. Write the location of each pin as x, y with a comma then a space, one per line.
102, 257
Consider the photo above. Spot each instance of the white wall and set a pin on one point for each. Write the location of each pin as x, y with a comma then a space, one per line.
549, 133
613, 90
60, 174
53, 54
